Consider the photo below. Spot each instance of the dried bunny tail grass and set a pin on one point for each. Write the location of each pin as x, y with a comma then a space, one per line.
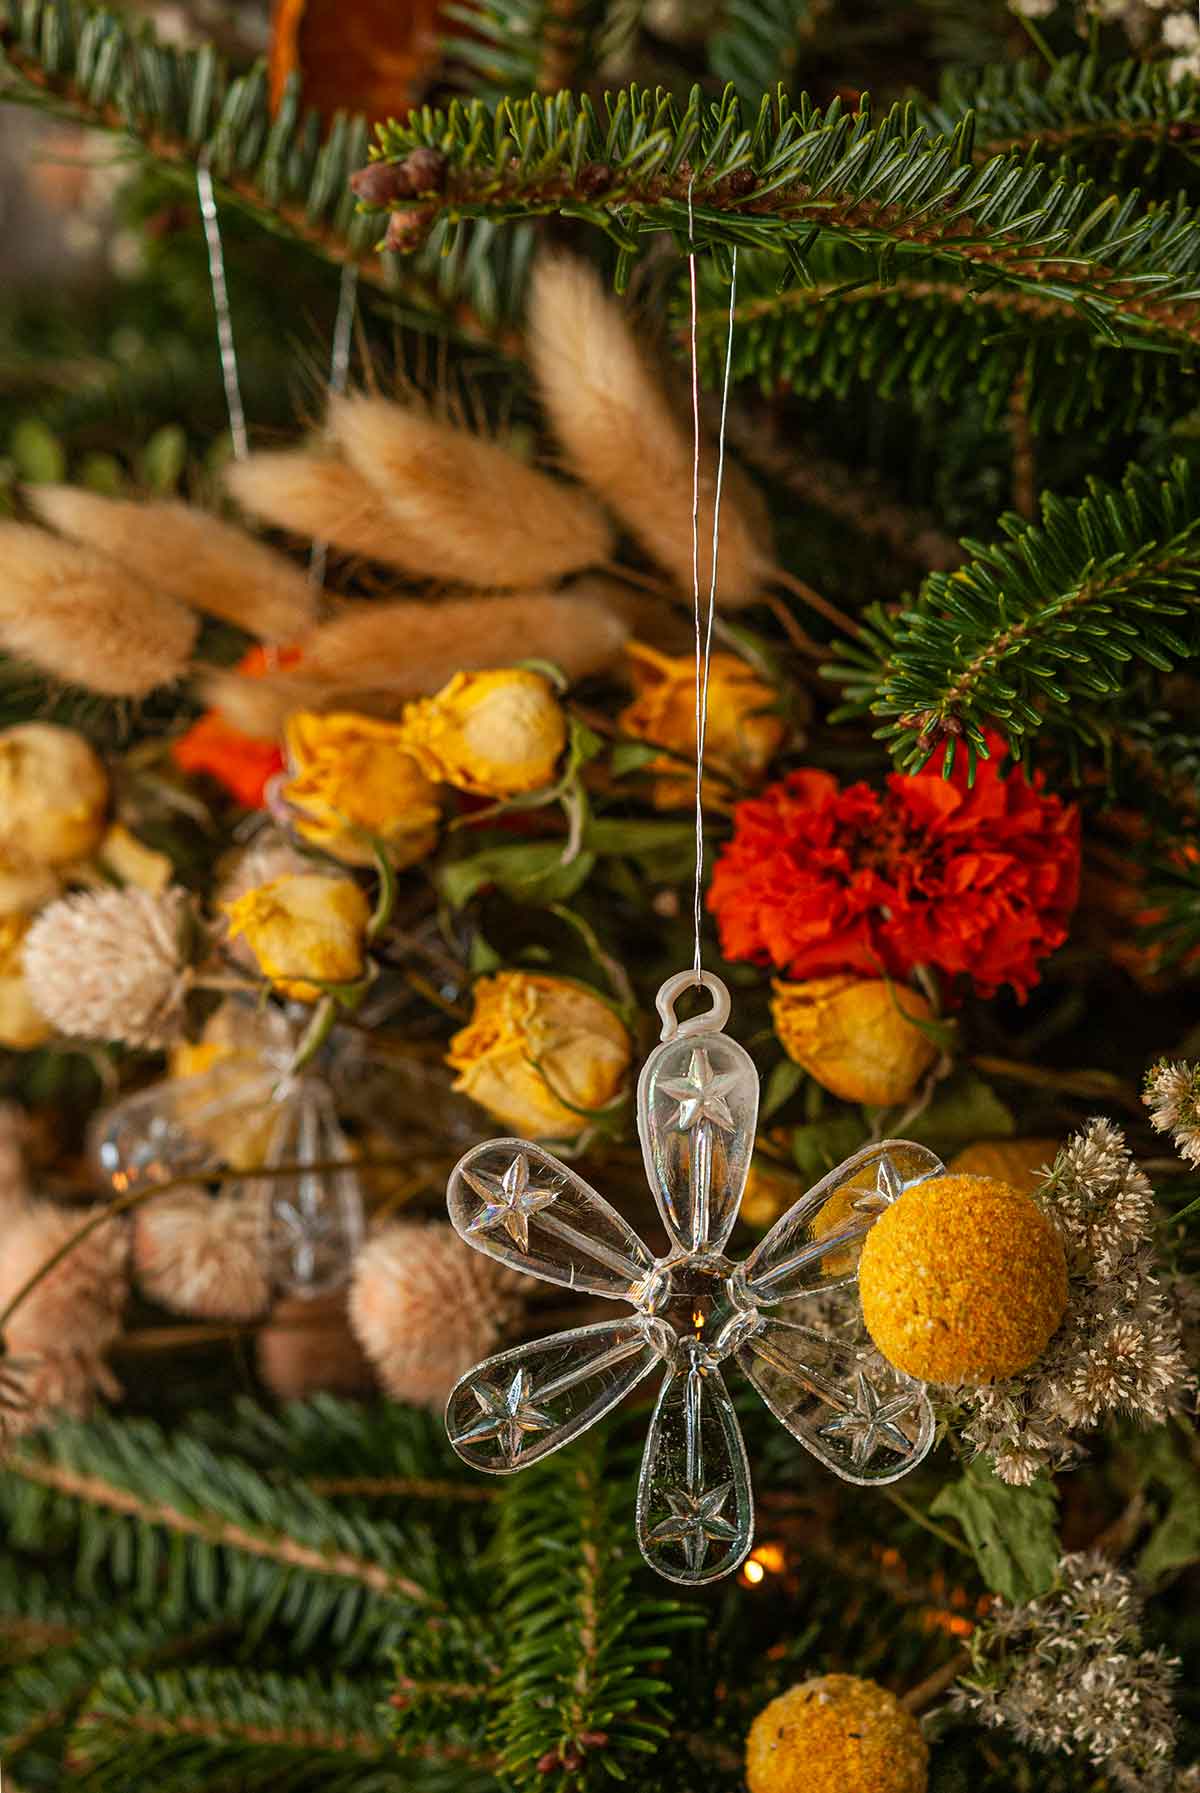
77, 1305
320, 496
110, 965
471, 511
425, 1308
202, 1255
75, 615
189, 554
378, 656
622, 435
35, 1391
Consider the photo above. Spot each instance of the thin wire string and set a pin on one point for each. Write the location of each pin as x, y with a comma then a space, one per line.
704, 627
220, 293
339, 374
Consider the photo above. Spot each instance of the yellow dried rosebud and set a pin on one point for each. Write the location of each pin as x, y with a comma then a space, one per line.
836, 1734
1022, 1162
22, 1026
303, 927
351, 777
963, 1281
226, 1107
741, 735
536, 1050
25, 890
856, 1036
769, 1192
497, 734
53, 796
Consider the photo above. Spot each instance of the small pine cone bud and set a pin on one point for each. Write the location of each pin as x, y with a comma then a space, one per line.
406, 231
379, 183
424, 171
594, 178
201, 1255
110, 965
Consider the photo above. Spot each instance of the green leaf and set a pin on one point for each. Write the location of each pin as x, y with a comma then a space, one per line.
164, 458
665, 850
1013, 1532
1175, 1541
631, 756
822, 1144
38, 453
532, 872
964, 1109
782, 1084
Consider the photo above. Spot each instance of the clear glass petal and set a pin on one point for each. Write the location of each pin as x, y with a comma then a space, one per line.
520, 1205
181, 1127
818, 1241
526, 1402
862, 1419
312, 1218
697, 1108
695, 1509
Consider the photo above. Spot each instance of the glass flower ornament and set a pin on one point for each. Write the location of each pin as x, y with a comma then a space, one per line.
693, 1310
241, 1122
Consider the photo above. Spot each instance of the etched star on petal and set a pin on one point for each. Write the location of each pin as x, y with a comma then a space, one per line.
508, 1201
702, 1094
507, 1413
695, 1520
872, 1422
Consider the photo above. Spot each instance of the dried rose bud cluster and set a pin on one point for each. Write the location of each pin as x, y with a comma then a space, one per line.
1118, 1349
1068, 1672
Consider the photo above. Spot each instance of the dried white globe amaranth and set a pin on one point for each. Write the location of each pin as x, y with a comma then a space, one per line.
109, 965
202, 1255
424, 1309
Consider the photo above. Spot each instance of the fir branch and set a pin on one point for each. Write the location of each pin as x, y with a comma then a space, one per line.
1110, 115
797, 173
579, 1702
525, 46
760, 42
927, 337
182, 108
230, 1544
199, 1727
1043, 631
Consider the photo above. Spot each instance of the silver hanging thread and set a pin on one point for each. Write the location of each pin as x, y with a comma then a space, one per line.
220, 293
339, 375
704, 627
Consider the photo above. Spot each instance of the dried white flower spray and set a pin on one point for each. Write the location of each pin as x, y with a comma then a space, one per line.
1172, 1095
1068, 1672
1118, 1350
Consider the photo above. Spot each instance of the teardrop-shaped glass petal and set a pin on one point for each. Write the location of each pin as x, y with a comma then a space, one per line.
520, 1205
697, 1108
312, 1218
180, 1127
695, 1509
862, 1419
819, 1240
524, 1403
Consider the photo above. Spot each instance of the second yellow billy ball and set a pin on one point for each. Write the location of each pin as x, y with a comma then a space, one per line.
963, 1281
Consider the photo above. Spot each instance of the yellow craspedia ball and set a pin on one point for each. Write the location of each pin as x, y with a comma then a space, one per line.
963, 1280
836, 1734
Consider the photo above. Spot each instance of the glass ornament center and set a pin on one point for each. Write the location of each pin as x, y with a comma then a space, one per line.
692, 1299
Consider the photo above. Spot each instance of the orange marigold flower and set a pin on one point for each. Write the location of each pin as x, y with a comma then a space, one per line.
244, 764
977, 882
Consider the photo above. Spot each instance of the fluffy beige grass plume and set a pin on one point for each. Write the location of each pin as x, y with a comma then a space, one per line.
477, 514
378, 656
78, 616
190, 554
318, 495
623, 438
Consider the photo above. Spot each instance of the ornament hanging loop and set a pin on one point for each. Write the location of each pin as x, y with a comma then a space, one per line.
712, 1021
